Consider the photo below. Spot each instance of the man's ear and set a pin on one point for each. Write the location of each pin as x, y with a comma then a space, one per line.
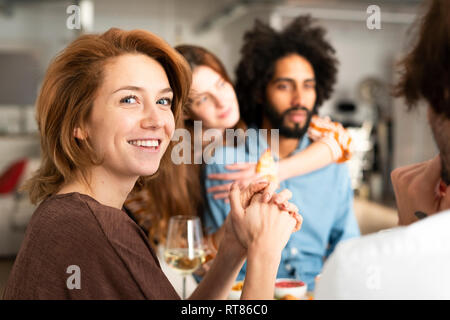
79, 133
444, 194
442, 188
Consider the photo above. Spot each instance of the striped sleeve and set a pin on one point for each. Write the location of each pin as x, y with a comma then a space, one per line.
334, 135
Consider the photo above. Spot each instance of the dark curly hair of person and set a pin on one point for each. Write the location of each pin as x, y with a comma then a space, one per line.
425, 74
425, 70
263, 46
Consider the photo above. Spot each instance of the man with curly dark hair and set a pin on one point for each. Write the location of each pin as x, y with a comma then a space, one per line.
282, 79
264, 52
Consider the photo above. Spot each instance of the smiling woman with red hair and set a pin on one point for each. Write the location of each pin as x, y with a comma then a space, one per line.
107, 110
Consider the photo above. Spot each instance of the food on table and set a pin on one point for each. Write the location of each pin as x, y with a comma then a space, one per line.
296, 290
289, 284
292, 287
236, 291
288, 297
238, 286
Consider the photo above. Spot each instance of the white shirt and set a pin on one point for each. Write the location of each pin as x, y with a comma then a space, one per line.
410, 262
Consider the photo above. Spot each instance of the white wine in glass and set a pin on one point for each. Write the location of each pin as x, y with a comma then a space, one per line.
184, 250
182, 262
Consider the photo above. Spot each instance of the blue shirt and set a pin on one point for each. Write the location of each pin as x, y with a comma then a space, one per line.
324, 198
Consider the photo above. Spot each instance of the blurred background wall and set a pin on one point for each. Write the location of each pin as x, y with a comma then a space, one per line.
32, 32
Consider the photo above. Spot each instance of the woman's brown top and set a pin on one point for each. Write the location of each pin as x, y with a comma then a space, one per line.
77, 248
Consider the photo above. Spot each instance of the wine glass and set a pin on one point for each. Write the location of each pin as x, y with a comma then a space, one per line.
184, 250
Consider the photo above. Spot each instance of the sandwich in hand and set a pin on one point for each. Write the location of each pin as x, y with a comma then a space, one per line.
267, 166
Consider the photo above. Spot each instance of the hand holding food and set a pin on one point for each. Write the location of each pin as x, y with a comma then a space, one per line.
267, 167
244, 174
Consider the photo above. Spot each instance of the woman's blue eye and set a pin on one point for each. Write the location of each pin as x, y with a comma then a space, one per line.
201, 100
129, 100
165, 101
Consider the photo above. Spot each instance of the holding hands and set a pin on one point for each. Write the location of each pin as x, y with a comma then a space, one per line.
254, 211
262, 223
259, 216
257, 210
257, 228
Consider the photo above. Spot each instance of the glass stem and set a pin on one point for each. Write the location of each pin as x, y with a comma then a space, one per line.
184, 287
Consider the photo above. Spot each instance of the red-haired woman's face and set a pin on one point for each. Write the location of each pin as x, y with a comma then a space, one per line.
214, 100
131, 122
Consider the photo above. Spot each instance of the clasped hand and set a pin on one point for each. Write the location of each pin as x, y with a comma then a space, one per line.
260, 217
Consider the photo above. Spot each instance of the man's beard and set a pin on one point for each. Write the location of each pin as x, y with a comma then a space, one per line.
277, 121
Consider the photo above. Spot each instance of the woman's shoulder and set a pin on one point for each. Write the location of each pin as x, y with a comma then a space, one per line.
59, 219
58, 210
75, 221
75, 230
62, 208
78, 216
69, 213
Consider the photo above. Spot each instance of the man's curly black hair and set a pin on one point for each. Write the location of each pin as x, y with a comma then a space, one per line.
263, 46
